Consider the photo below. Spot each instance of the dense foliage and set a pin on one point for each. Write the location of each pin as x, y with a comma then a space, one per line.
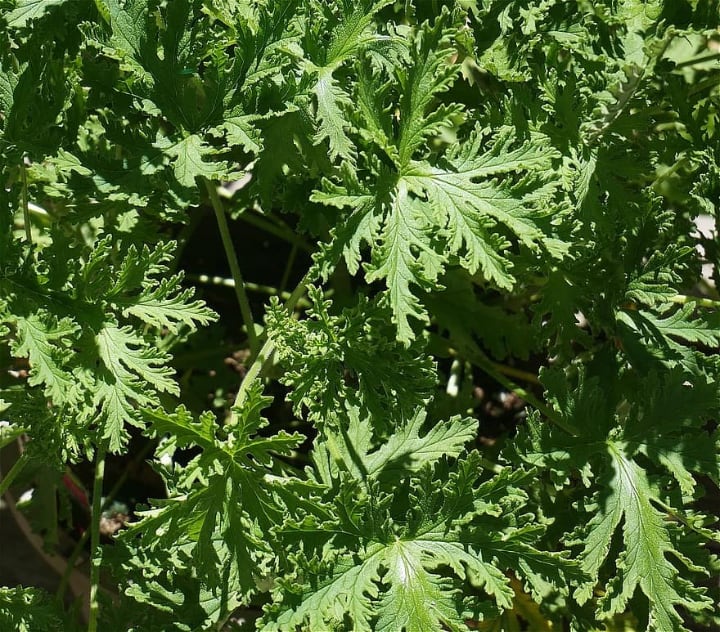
485, 187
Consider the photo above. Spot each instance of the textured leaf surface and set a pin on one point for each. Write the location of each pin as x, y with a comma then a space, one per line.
384, 569
627, 501
477, 196
407, 450
31, 610
44, 347
28, 10
222, 507
647, 543
190, 161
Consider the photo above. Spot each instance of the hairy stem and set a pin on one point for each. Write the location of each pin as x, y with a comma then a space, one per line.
95, 536
279, 230
478, 358
705, 534
13, 472
109, 498
252, 287
519, 374
253, 373
268, 348
231, 255
683, 299
25, 205
288, 268
698, 60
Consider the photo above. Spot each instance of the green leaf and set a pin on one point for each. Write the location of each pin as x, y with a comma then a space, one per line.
332, 102
130, 367
608, 453
665, 337
644, 563
350, 33
407, 451
653, 286
221, 509
415, 599
46, 345
9, 79
9, 433
353, 31
473, 206
31, 610
429, 73
360, 227
127, 21
190, 163
124, 354
462, 204
405, 257
384, 570
346, 590
324, 355
680, 324
27, 10
239, 130
166, 307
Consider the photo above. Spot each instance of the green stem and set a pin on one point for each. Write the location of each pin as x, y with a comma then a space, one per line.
705, 84
268, 348
234, 266
109, 498
684, 521
279, 230
12, 474
698, 60
683, 299
252, 287
253, 373
25, 205
288, 267
491, 466
478, 358
95, 536
519, 374
670, 171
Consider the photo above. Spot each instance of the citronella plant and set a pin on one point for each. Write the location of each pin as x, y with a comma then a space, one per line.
472, 192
